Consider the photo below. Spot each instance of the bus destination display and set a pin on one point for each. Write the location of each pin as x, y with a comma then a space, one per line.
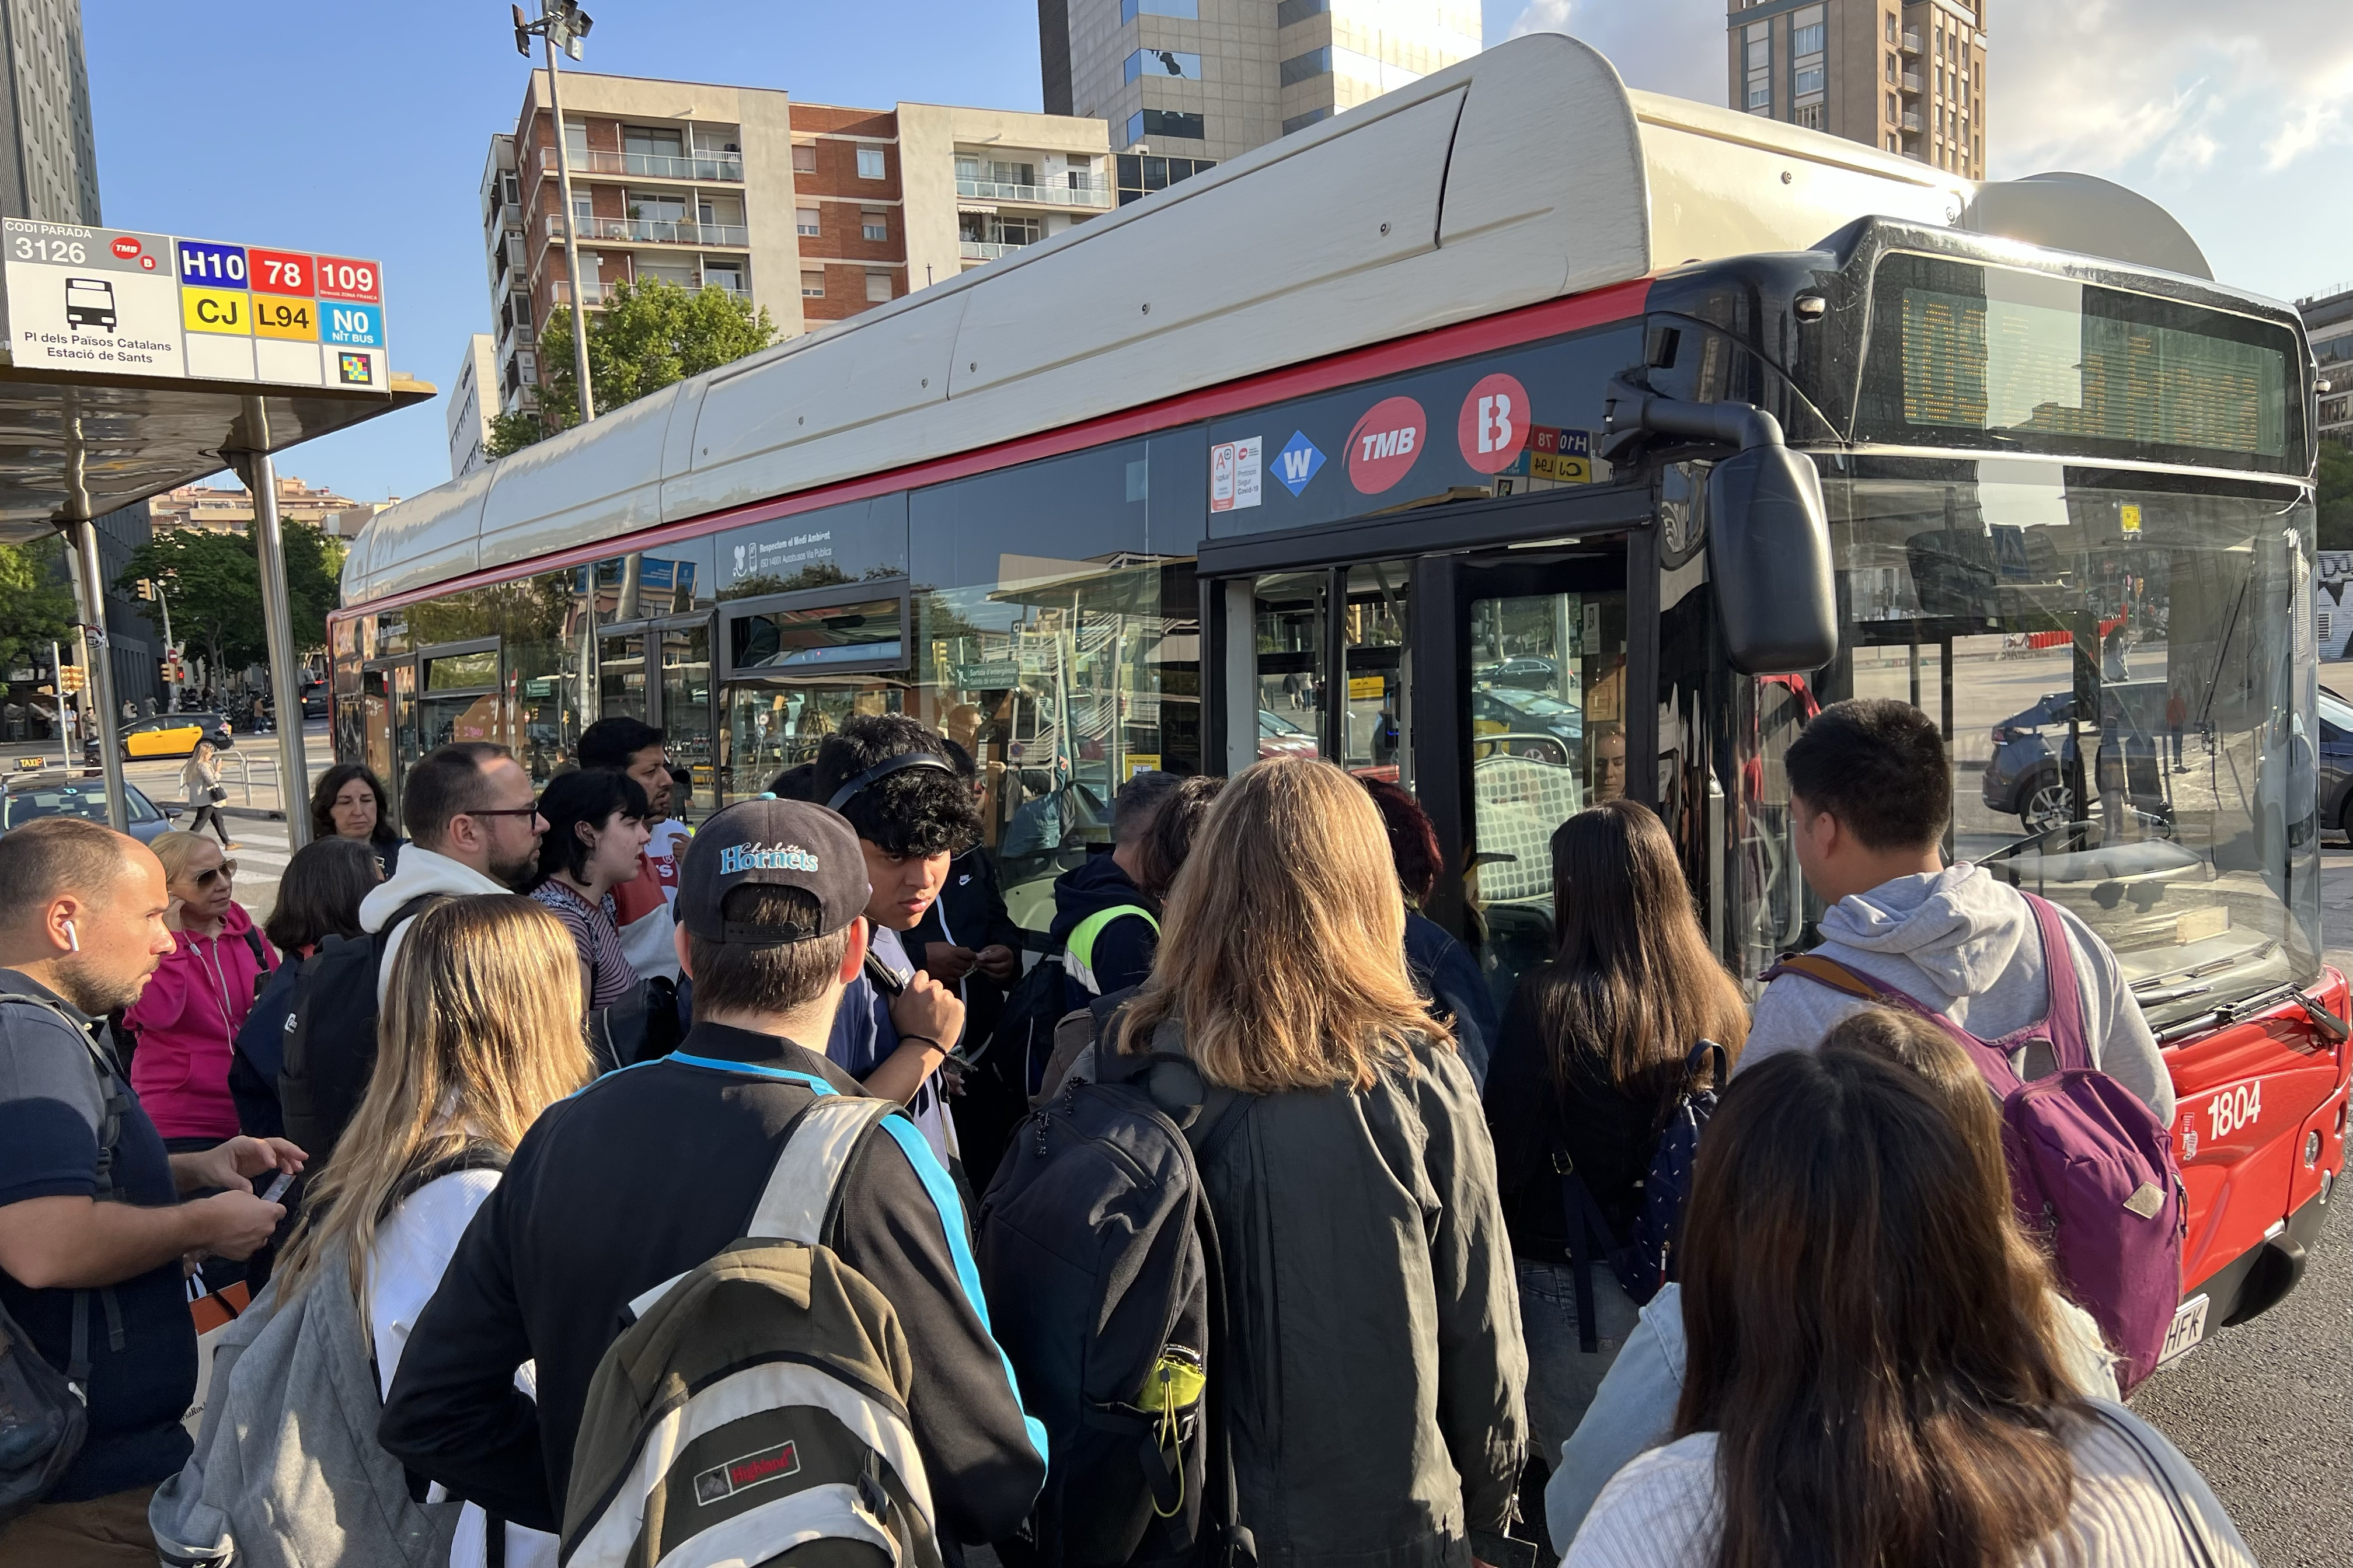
115, 300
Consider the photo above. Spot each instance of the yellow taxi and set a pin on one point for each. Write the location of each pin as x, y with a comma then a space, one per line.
172, 734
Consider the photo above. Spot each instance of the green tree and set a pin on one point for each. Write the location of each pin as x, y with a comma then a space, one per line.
215, 584
37, 607
2336, 497
649, 335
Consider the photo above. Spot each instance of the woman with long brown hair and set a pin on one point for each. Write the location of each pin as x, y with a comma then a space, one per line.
479, 1033
1591, 1059
1875, 1374
1373, 1350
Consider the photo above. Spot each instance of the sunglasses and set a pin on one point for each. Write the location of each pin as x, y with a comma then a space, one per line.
220, 873
505, 811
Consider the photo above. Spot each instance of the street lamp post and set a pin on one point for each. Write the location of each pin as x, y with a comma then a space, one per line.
562, 24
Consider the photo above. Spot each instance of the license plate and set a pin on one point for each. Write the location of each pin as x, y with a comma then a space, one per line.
2189, 1328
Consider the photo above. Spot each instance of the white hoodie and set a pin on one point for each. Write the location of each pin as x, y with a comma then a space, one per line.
1966, 944
420, 870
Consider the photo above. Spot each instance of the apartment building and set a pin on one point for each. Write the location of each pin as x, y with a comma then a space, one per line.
1184, 84
230, 511
812, 212
472, 402
2328, 318
1907, 78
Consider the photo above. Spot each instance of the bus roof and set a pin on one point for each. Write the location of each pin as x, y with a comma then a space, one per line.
1522, 174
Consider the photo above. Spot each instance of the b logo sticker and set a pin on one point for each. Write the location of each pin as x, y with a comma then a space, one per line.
1495, 423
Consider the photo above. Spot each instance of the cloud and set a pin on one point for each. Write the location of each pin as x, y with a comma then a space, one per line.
2177, 86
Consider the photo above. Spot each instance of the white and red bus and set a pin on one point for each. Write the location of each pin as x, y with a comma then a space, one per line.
1412, 441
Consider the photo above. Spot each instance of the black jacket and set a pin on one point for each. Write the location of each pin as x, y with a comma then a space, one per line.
1608, 1135
648, 1173
1123, 951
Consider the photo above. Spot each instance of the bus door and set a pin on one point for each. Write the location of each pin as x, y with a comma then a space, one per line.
1541, 645
1492, 684
659, 673
388, 718
793, 667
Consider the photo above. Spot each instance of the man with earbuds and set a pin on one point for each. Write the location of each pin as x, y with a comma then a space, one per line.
92, 1230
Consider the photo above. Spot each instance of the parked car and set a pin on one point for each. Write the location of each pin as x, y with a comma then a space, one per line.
1279, 737
2336, 761
1532, 672
168, 735
2035, 774
1511, 711
35, 795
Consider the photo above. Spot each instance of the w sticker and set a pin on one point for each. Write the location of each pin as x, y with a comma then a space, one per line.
723, 1481
1297, 462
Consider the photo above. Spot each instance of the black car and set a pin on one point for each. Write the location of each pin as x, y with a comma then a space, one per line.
35, 795
2036, 775
2336, 761
1532, 672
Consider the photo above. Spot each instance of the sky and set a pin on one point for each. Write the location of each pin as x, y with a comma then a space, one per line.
276, 123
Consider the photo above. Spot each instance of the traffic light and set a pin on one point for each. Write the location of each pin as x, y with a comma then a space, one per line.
147, 588
69, 678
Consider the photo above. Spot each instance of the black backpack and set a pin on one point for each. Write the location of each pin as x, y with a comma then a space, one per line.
1647, 1261
1099, 1254
331, 1034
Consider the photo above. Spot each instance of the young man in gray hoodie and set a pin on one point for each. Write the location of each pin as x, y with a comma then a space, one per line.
1869, 792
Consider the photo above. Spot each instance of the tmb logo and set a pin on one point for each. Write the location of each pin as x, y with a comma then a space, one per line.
1385, 443
125, 246
1495, 423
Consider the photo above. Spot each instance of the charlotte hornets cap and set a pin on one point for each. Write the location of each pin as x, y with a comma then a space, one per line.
771, 844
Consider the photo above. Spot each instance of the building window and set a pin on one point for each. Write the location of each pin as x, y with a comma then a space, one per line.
874, 223
803, 157
1760, 68
1808, 80
812, 284
1141, 175
1146, 122
1891, 26
869, 162
1162, 63
1302, 121
878, 287
1291, 11
1891, 70
1304, 67
1807, 40
805, 222
1129, 10
1809, 115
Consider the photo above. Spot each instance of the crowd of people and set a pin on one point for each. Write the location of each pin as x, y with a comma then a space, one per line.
654, 1219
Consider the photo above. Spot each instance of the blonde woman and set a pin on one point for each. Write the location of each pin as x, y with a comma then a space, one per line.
479, 1033
1374, 1348
205, 793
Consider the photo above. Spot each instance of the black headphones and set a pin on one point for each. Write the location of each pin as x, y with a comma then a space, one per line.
883, 770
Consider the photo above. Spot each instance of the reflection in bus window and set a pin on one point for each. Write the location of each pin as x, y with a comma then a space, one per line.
1376, 717
621, 677
1288, 617
2118, 671
1547, 693
772, 726
826, 638
686, 711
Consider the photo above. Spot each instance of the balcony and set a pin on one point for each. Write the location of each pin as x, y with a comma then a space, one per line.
989, 249
717, 166
598, 293
1087, 196
1912, 45
654, 231
1912, 82
1912, 121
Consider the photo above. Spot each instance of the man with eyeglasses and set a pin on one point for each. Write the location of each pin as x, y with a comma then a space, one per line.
473, 826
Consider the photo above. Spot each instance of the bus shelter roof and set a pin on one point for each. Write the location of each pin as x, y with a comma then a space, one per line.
82, 446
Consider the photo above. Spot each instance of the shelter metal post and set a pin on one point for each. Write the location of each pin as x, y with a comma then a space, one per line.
90, 593
277, 629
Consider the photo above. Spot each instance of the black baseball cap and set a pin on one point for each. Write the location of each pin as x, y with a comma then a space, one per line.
771, 844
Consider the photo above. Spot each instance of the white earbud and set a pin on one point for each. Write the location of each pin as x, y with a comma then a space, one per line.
73, 938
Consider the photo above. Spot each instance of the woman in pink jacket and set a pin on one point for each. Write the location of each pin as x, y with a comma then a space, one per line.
187, 1018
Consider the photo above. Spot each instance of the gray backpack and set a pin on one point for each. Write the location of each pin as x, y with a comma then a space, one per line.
757, 1404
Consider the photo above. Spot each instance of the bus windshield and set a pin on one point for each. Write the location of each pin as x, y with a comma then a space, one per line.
2122, 663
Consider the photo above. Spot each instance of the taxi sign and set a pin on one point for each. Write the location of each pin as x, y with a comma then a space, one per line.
2129, 515
155, 305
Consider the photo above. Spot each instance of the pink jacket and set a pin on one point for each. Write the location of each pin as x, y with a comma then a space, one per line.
187, 1020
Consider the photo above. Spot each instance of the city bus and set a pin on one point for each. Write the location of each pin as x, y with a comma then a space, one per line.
1530, 442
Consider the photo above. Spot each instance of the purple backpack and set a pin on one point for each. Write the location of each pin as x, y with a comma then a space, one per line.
2092, 1170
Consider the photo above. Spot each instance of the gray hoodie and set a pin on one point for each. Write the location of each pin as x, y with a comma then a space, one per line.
419, 870
1964, 943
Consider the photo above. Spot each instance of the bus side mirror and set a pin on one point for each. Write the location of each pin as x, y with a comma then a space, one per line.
1769, 535
1768, 549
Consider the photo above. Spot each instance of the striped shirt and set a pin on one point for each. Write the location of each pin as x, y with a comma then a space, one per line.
597, 938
